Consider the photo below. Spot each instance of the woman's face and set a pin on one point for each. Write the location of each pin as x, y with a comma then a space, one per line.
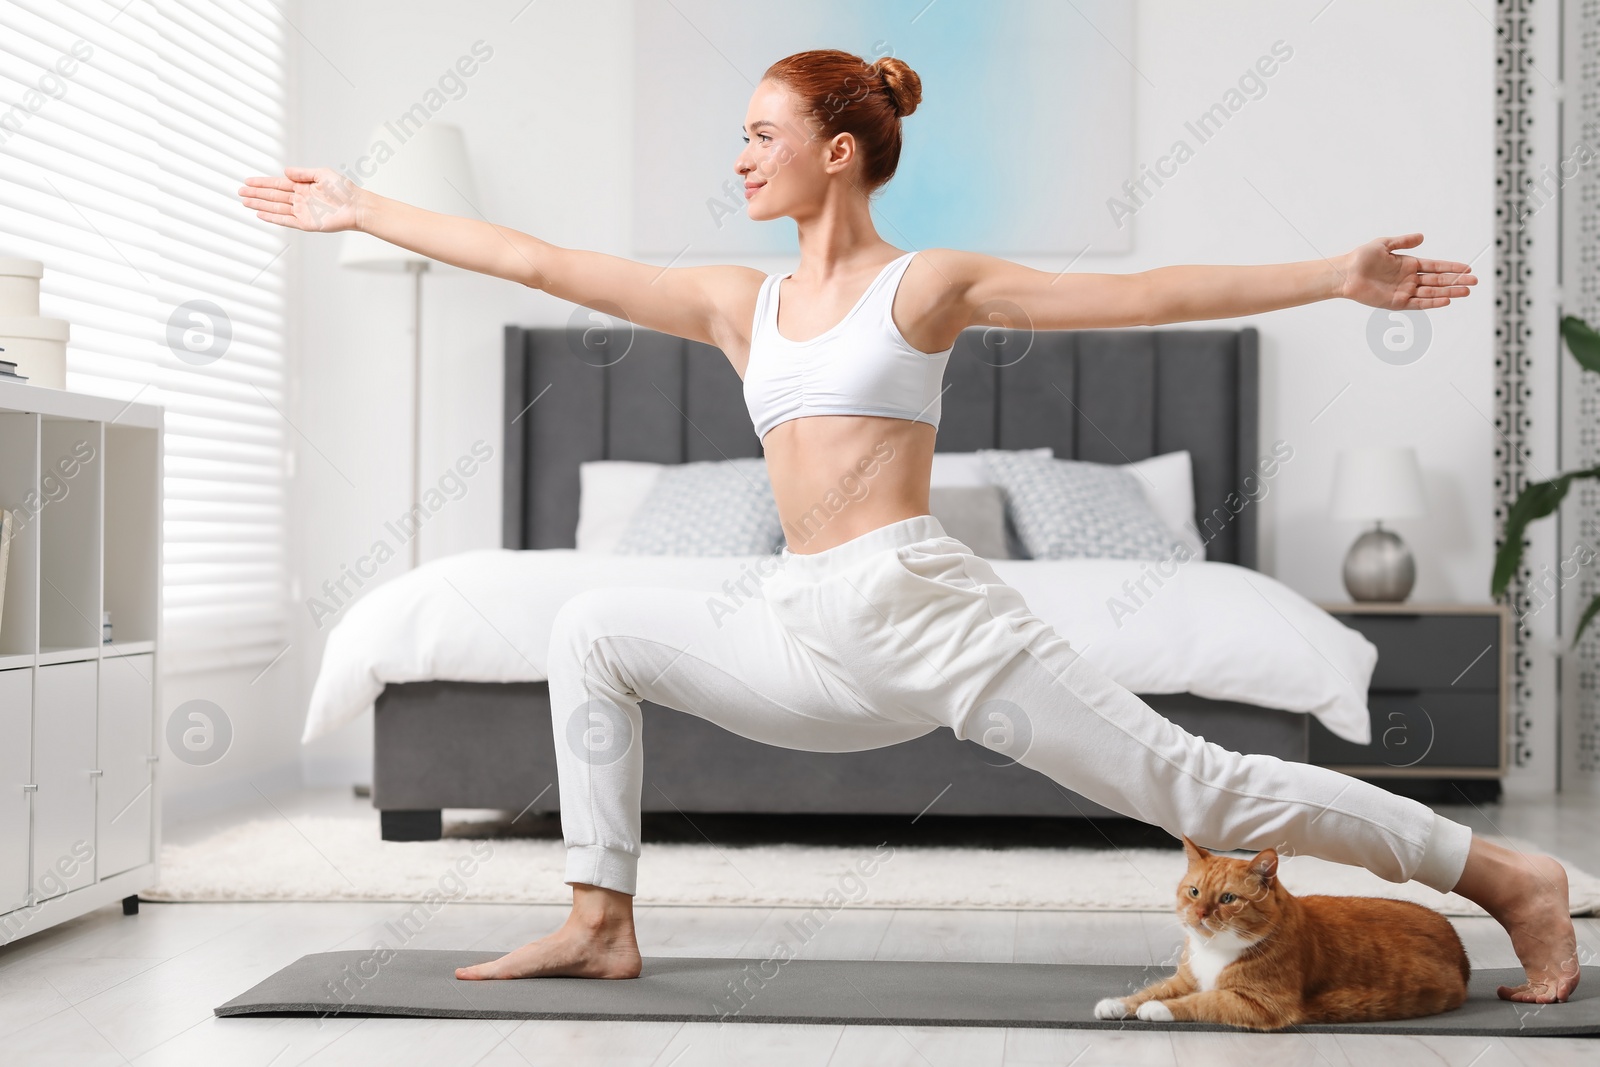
784, 165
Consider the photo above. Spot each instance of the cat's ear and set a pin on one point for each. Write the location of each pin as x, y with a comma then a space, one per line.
1193, 851
1265, 865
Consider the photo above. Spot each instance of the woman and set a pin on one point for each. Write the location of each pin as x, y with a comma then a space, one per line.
877, 627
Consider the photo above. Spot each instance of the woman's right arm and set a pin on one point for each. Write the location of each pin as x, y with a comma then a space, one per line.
700, 303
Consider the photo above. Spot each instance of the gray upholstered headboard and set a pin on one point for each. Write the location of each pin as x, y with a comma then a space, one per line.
1109, 396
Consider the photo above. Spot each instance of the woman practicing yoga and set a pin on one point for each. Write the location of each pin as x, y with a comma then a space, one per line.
878, 627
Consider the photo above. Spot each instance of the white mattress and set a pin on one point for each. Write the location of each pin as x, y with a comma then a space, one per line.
1215, 629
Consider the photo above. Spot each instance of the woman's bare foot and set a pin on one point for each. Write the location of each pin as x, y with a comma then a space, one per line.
1527, 894
596, 941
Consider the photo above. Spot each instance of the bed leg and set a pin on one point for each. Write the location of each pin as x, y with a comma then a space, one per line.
411, 825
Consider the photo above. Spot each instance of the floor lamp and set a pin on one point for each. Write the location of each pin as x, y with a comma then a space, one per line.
426, 168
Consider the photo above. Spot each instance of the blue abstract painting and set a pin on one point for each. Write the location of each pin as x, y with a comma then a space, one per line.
1024, 133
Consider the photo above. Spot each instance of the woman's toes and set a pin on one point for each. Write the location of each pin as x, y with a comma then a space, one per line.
529, 961
1552, 992
478, 971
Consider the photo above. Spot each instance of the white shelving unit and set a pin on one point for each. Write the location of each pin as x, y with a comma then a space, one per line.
80, 811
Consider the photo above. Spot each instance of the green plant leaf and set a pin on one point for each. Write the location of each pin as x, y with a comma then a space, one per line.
1537, 500
1583, 342
1588, 613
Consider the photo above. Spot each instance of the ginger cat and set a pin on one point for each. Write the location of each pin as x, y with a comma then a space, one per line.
1257, 956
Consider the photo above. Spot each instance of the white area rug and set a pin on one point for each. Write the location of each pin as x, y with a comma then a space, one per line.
342, 858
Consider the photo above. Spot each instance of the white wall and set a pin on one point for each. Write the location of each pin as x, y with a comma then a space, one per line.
263, 752
1360, 133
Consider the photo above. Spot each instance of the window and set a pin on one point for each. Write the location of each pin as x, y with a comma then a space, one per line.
124, 133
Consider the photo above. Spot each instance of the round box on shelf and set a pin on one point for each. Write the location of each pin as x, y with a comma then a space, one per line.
38, 347
19, 287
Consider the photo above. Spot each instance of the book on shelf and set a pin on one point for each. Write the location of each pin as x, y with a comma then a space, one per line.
8, 371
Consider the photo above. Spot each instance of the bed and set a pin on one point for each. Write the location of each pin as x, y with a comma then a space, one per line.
470, 728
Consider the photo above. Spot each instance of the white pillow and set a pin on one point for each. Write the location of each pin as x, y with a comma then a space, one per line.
961, 469
716, 507
1072, 509
611, 490
609, 493
1168, 483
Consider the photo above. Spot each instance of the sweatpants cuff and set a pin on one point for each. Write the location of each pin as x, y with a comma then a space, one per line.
607, 868
1445, 856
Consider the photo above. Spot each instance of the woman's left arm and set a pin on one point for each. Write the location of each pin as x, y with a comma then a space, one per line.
1377, 274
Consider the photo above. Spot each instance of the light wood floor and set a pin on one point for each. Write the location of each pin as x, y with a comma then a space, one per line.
112, 989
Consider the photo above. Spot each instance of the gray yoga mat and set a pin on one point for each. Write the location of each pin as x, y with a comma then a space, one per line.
868, 992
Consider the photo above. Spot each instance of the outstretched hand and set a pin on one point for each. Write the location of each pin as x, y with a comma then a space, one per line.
1377, 275
320, 199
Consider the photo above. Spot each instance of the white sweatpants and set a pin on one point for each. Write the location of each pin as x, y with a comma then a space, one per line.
896, 633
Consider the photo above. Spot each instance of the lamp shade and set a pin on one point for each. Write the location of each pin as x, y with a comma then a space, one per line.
427, 169
1377, 482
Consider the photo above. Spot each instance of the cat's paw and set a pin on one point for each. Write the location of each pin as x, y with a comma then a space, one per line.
1153, 1011
1111, 1008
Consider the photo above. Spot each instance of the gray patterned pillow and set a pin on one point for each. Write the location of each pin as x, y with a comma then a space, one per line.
1068, 509
711, 508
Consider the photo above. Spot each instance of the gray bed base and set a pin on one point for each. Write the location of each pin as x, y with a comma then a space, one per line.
1109, 396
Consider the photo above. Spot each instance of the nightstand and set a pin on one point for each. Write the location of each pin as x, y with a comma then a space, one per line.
1439, 693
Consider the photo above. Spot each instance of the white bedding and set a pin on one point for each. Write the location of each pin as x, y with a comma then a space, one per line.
1214, 629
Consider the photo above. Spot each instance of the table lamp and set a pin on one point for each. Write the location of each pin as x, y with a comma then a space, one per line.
429, 170
1374, 483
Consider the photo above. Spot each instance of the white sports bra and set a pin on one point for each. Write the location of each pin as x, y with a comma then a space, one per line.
862, 366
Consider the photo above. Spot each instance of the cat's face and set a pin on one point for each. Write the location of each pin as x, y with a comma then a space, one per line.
1218, 894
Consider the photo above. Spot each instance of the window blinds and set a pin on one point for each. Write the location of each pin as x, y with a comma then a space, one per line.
125, 129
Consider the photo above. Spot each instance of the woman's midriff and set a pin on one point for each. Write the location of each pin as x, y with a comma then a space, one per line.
836, 477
